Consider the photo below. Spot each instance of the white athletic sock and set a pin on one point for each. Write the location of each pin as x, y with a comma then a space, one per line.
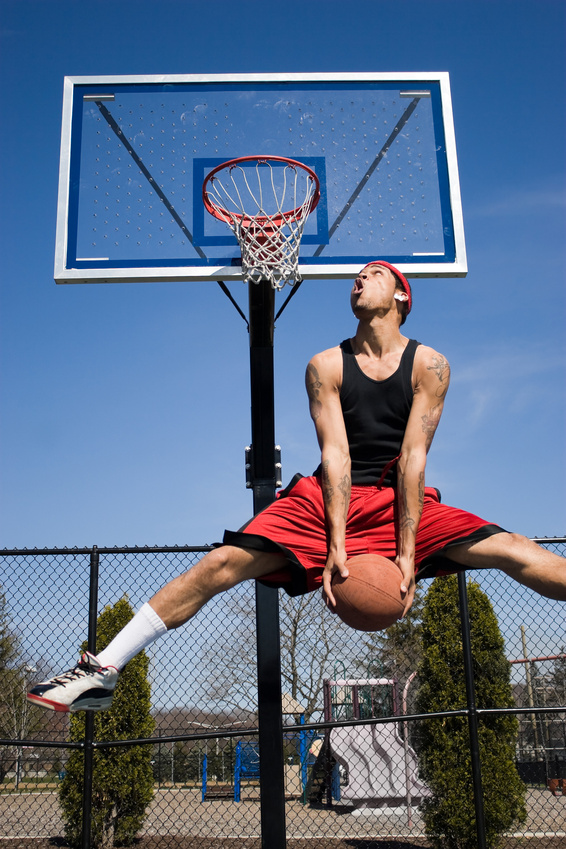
140, 632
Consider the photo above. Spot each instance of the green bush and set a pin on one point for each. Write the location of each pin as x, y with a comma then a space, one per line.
122, 776
444, 747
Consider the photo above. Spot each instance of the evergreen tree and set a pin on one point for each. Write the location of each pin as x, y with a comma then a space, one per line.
444, 750
122, 776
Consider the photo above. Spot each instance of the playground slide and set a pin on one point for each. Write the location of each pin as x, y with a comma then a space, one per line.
374, 756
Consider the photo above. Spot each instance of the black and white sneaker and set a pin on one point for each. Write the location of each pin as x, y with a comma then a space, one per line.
89, 686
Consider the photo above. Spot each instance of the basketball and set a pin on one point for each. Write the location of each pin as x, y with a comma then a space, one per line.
369, 599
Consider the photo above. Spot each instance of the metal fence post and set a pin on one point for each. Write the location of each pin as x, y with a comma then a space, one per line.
272, 776
89, 714
472, 710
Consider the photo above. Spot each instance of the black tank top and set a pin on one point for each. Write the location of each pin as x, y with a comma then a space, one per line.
376, 414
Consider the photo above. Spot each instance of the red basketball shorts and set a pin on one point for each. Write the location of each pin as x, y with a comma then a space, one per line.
294, 525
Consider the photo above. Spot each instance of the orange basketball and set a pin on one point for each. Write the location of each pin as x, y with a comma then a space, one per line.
369, 599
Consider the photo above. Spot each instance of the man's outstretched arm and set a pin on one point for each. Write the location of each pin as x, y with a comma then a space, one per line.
432, 374
323, 388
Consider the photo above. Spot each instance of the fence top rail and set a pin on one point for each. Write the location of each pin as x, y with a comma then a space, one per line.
548, 539
537, 659
41, 744
162, 549
360, 682
133, 549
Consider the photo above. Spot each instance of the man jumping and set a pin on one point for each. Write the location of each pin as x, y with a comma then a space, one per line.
376, 401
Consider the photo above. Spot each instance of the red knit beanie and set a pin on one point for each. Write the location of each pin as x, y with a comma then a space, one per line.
401, 277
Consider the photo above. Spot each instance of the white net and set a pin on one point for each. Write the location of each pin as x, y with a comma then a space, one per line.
266, 204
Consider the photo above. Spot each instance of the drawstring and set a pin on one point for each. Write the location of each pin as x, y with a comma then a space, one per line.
387, 469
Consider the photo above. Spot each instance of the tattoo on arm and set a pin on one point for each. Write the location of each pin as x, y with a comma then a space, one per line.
430, 423
421, 491
314, 386
406, 521
345, 487
441, 368
327, 488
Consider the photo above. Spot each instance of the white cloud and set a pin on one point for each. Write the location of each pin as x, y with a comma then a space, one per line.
508, 379
520, 201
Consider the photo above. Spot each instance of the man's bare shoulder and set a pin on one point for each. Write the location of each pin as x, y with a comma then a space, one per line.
431, 369
326, 368
327, 359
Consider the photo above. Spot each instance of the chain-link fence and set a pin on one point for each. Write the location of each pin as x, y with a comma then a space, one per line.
352, 711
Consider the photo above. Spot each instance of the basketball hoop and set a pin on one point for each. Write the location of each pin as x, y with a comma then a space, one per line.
250, 194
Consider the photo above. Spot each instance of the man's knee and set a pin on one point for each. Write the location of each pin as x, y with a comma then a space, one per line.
229, 565
512, 544
222, 567
521, 550
517, 555
495, 551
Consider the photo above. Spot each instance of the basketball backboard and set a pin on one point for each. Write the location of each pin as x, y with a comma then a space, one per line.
135, 152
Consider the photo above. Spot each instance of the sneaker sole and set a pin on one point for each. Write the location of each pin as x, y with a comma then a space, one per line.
86, 704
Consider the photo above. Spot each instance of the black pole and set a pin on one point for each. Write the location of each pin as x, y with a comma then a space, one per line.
272, 777
472, 711
89, 714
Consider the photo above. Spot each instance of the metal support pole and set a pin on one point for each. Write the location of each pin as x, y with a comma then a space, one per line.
89, 714
530, 695
472, 711
272, 775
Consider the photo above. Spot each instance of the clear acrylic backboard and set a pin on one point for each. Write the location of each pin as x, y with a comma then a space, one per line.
135, 152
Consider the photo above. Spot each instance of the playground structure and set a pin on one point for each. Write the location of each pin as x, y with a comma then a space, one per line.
371, 766
299, 763
359, 766
299, 760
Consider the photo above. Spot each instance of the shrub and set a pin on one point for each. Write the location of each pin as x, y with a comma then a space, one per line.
444, 748
122, 776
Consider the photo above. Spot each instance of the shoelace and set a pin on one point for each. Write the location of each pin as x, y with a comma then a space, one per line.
82, 668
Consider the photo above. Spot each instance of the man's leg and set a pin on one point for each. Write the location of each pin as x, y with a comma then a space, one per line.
179, 600
219, 570
520, 558
90, 685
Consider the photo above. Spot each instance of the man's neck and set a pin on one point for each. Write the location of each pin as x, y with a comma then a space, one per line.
378, 339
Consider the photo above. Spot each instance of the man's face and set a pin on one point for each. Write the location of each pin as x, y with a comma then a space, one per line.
373, 290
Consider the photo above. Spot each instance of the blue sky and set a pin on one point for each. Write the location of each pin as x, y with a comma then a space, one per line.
125, 408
